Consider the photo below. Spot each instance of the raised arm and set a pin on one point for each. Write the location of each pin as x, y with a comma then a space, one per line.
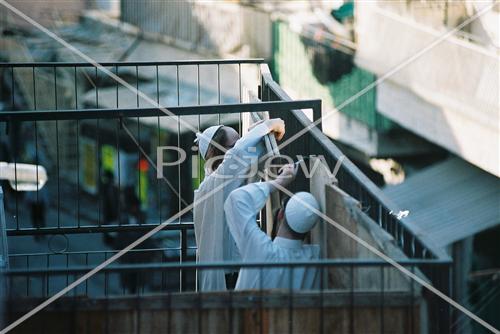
242, 207
246, 150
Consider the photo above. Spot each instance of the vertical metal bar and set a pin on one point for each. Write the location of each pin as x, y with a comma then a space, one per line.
412, 298
16, 150
77, 152
218, 83
67, 273
218, 90
57, 155
240, 121
158, 184
239, 83
117, 133
98, 152
178, 89
351, 306
15, 180
163, 283
105, 276
86, 281
28, 281
37, 172
34, 86
321, 300
382, 301
199, 119
317, 115
47, 276
139, 141
198, 83
183, 258
12, 83
179, 167
36, 138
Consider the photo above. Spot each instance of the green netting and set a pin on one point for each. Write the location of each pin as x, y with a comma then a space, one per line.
294, 68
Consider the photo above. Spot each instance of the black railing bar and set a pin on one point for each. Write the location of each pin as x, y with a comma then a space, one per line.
12, 83
96, 229
136, 63
16, 192
158, 183
229, 108
228, 265
78, 217
56, 104
98, 252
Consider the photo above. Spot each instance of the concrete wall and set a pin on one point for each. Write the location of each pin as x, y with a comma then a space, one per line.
45, 12
448, 94
214, 27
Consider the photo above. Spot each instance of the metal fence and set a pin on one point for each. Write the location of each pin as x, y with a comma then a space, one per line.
83, 136
81, 126
158, 286
376, 205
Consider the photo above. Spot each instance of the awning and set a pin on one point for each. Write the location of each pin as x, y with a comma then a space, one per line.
449, 201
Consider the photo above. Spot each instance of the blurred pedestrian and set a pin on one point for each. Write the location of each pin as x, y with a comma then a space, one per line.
38, 202
111, 198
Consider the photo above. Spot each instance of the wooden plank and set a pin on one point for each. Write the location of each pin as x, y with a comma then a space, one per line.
272, 150
331, 319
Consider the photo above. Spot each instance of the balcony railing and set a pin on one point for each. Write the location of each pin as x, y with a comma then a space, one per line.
84, 135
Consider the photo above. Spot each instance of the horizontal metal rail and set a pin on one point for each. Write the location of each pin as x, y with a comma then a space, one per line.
135, 63
49, 115
229, 265
135, 250
97, 229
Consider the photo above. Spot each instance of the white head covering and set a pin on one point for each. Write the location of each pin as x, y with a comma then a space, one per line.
204, 139
298, 212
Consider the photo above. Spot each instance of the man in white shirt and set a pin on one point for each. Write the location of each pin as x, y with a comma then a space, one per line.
296, 221
225, 171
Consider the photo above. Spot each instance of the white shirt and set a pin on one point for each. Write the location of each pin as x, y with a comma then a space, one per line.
213, 239
241, 208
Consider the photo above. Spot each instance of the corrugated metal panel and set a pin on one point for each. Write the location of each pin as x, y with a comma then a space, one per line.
449, 201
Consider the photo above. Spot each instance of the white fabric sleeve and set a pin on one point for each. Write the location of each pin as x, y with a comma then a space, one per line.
241, 208
246, 151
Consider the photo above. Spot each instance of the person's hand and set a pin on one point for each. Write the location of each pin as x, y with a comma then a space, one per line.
287, 174
276, 125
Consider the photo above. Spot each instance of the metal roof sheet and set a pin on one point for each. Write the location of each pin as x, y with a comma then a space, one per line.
449, 201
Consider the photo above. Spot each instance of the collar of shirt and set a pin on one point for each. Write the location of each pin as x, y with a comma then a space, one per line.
287, 243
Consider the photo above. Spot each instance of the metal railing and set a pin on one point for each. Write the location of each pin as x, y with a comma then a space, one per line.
77, 202
78, 123
162, 280
375, 204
